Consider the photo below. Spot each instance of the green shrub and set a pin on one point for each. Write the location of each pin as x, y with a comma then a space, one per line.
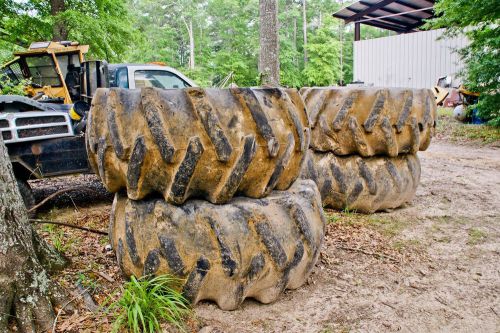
147, 302
479, 21
9, 87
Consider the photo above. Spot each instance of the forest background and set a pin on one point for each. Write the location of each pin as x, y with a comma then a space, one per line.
208, 40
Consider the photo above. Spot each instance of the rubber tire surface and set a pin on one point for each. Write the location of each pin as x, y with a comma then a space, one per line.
370, 121
194, 142
27, 195
226, 253
365, 185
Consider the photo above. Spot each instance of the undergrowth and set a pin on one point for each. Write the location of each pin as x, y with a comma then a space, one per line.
146, 303
458, 131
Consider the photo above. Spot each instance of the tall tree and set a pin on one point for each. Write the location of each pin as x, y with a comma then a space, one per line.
304, 28
59, 30
25, 259
189, 27
323, 66
269, 65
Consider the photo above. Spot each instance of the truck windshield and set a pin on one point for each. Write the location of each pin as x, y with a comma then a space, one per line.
158, 79
43, 71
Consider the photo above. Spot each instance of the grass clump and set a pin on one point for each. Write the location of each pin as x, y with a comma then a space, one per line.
476, 236
148, 302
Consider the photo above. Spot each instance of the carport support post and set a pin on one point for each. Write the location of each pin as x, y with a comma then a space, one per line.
357, 31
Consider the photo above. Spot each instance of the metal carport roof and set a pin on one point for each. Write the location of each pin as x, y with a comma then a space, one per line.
397, 15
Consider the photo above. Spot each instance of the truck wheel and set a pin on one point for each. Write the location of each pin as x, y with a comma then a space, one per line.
194, 142
365, 185
370, 121
26, 194
224, 253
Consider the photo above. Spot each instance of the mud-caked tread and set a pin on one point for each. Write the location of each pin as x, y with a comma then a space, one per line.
363, 184
370, 121
194, 142
224, 253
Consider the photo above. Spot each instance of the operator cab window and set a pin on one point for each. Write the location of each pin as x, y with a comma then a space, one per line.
121, 78
68, 63
43, 71
159, 79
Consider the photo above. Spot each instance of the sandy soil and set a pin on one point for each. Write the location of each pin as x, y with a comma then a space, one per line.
447, 281
432, 266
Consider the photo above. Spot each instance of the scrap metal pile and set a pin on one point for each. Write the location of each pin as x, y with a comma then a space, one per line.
206, 180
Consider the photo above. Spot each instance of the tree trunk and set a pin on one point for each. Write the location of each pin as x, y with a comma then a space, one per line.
59, 31
304, 28
295, 55
189, 28
25, 288
341, 39
269, 65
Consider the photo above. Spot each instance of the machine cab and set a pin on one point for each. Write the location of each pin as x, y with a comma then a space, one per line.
53, 69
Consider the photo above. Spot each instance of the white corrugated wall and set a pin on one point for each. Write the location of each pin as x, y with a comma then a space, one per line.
413, 60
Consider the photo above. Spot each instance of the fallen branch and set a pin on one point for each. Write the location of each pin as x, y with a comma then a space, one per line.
389, 305
95, 231
375, 254
55, 194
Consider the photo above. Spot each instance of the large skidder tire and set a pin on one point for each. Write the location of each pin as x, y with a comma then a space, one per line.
370, 121
225, 253
207, 143
363, 184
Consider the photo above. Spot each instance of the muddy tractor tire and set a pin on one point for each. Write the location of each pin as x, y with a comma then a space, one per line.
225, 253
370, 121
365, 185
194, 142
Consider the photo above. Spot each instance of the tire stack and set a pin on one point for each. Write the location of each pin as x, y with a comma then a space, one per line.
364, 144
205, 183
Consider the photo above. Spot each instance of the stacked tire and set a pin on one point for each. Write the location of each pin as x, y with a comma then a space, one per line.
206, 188
364, 144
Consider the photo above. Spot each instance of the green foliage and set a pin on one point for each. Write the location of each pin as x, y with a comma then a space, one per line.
479, 21
104, 24
147, 302
323, 67
226, 36
9, 87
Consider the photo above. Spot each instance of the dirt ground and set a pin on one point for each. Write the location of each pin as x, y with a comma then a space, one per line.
432, 266
446, 276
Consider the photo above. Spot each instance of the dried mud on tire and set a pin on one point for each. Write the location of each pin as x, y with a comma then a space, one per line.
226, 253
363, 184
370, 121
194, 142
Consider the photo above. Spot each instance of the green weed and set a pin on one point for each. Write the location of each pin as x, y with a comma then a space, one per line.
58, 239
87, 282
476, 236
147, 302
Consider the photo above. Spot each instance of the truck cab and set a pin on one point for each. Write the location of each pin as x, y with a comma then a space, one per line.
134, 76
